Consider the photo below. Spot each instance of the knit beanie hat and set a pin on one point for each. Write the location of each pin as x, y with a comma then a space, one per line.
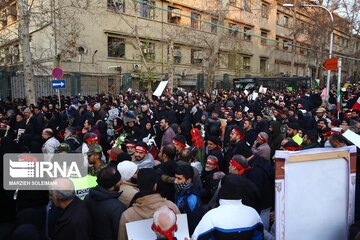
127, 170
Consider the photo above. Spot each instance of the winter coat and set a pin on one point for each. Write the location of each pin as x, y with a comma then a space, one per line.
166, 189
73, 141
143, 208
168, 136
133, 133
74, 223
251, 136
262, 126
127, 190
262, 150
262, 175
189, 202
276, 137
210, 185
50, 145
105, 210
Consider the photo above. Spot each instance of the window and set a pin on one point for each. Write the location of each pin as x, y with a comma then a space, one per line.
174, 15
263, 63
277, 46
177, 55
118, 5
232, 3
4, 56
247, 5
286, 21
278, 18
148, 49
11, 14
14, 53
247, 34
116, 47
246, 62
233, 30
197, 56
232, 61
214, 23
265, 10
3, 20
263, 37
147, 9
195, 20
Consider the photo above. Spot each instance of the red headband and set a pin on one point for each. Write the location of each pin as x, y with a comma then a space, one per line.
169, 234
141, 149
180, 144
91, 140
236, 132
239, 167
262, 138
213, 162
131, 145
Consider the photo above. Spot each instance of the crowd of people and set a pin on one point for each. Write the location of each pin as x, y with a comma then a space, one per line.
208, 155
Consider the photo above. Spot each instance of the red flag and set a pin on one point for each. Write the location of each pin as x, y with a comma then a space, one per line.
357, 105
196, 138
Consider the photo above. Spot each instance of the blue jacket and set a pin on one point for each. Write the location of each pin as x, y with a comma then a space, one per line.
189, 202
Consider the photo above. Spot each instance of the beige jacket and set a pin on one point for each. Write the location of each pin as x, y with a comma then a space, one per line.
128, 190
143, 208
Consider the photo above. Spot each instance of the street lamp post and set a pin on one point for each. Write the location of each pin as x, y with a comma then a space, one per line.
290, 5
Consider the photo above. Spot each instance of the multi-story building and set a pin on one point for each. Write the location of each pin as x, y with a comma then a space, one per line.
106, 45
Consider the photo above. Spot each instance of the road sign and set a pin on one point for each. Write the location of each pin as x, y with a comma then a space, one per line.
58, 84
57, 73
331, 64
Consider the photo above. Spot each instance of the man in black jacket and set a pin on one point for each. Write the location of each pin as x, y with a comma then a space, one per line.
74, 222
238, 145
104, 206
258, 170
167, 172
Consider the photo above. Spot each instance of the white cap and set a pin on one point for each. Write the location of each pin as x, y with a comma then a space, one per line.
97, 105
127, 170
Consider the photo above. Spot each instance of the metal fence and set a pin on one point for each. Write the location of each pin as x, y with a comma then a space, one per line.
76, 84
87, 84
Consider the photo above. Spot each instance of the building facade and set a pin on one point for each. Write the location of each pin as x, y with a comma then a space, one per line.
113, 45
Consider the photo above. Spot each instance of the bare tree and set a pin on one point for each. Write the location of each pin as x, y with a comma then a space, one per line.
24, 38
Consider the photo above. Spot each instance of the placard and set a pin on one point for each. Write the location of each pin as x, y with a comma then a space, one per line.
315, 193
160, 89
